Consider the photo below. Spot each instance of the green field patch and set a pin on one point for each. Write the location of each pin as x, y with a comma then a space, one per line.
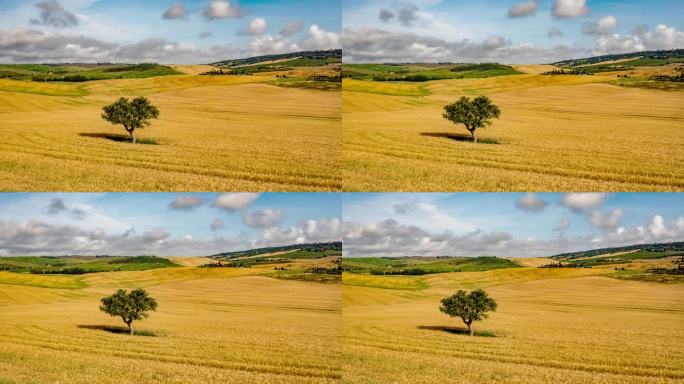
78, 265
424, 72
423, 265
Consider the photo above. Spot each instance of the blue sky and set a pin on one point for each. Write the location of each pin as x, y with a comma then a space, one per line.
506, 224
168, 31
163, 223
510, 31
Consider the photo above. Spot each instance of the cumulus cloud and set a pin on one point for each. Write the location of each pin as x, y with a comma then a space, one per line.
554, 32
570, 8
188, 202
233, 202
523, 9
176, 11
317, 39
662, 230
291, 28
531, 203
266, 218
257, 26
640, 39
408, 14
223, 9
378, 45
320, 39
271, 45
580, 202
603, 26
386, 15
54, 15
322, 230
392, 238
55, 207
39, 238
609, 220
217, 224
22, 45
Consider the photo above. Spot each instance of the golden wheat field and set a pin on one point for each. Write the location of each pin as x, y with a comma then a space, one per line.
567, 132
212, 326
552, 326
215, 133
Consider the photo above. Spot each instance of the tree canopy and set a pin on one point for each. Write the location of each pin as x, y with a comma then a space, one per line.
132, 114
470, 307
129, 306
474, 114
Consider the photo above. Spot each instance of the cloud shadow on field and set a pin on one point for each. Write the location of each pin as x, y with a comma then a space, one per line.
455, 330
118, 138
113, 329
459, 137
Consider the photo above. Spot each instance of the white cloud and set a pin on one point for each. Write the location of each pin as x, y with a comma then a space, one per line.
270, 45
187, 202
320, 39
641, 39
22, 45
603, 26
233, 202
266, 218
322, 230
579, 202
392, 238
530, 202
257, 26
176, 11
377, 45
606, 221
523, 9
222, 9
570, 8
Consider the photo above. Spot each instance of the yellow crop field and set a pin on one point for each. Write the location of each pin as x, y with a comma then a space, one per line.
212, 326
215, 133
551, 326
556, 132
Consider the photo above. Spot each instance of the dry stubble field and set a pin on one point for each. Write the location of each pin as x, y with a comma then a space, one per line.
212, 326
568, 132
215, 133
552, 326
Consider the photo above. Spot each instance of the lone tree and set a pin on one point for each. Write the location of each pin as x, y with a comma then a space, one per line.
131, 114
470, 307
474, 114
129, 306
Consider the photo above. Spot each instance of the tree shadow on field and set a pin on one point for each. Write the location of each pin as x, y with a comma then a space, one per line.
118, 138
455, 330
459, 137
117, 330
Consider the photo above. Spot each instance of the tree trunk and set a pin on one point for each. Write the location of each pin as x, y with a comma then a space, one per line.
130, 328
470, 328
130, 132
472, 133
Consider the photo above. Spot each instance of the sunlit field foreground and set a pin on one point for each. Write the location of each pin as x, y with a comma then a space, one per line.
215, 133
552, 326
222, 325
556, 132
